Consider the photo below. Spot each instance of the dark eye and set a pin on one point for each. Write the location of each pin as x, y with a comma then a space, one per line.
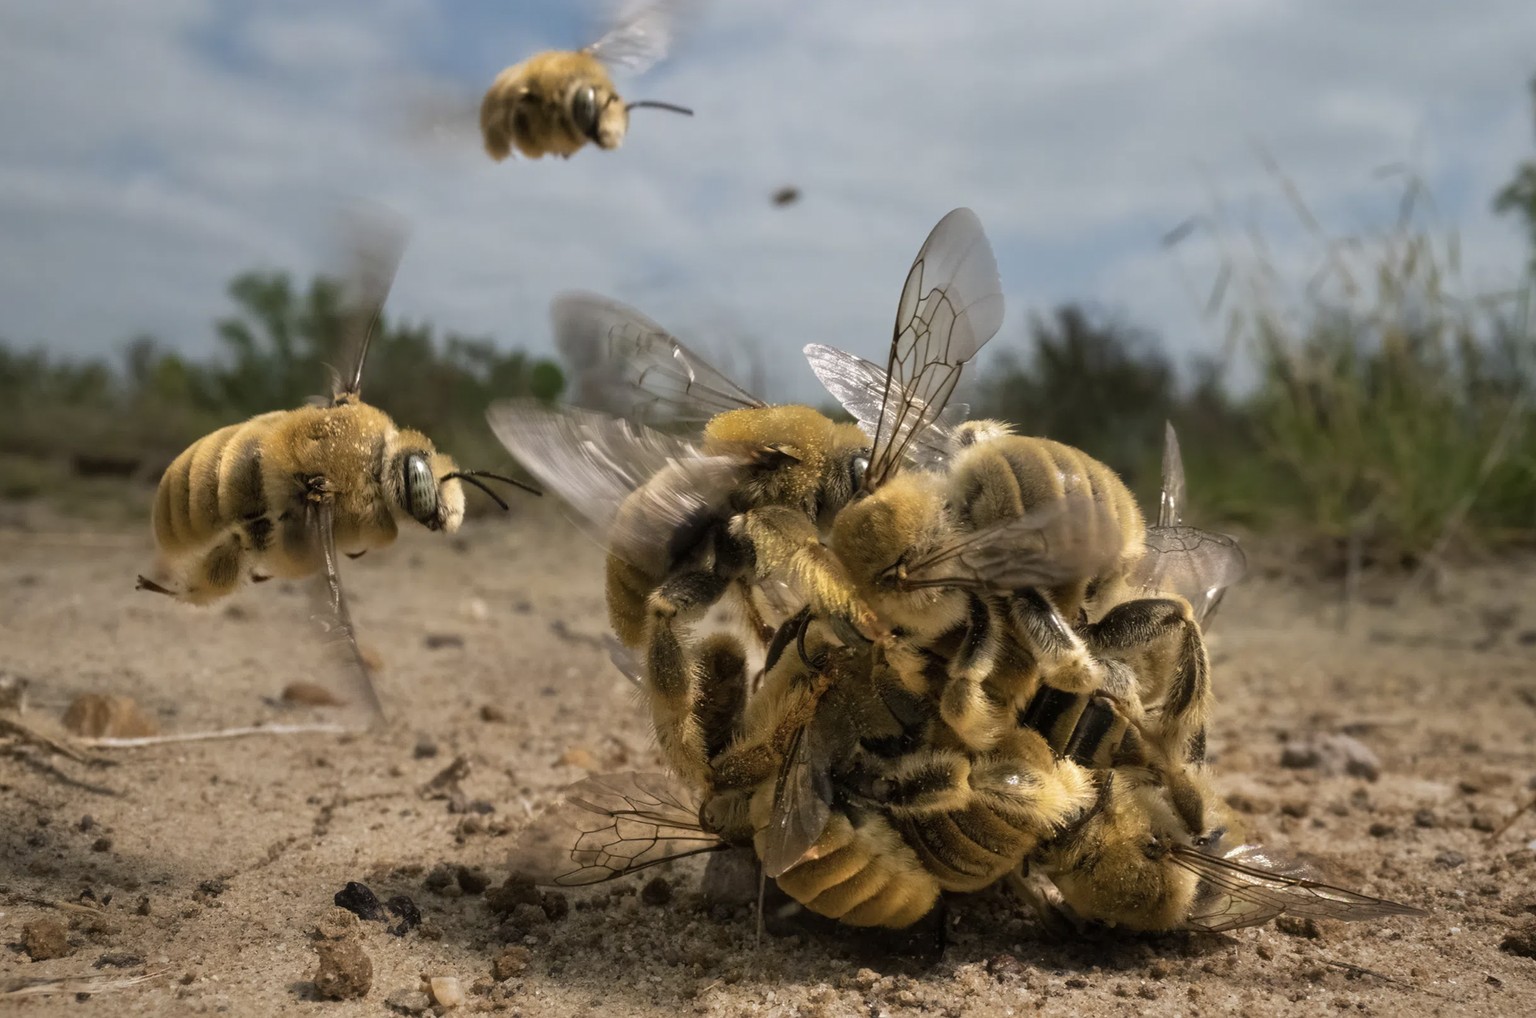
420, 489
584, 109
856, 471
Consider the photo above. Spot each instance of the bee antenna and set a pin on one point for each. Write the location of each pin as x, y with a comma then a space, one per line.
685, 111
472, 477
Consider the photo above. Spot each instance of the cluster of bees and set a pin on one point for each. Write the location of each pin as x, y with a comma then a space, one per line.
958, 655
950, 655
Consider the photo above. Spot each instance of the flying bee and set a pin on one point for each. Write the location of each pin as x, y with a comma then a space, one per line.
687, 519
555, 102
281, 493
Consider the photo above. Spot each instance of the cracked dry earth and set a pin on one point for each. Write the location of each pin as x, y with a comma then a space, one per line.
211, 867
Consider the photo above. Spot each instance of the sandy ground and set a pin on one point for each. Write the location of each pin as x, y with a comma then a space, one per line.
213, 863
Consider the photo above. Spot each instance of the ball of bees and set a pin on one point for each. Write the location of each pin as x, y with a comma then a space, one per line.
556, 102
282, 493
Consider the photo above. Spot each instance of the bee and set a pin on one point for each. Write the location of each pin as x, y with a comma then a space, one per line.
686, 520
1132, 863
282, 493
555, 102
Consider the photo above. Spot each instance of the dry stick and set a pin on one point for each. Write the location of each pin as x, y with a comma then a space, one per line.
79, 984
1506, 825
27, 734
326, 728
1360, 971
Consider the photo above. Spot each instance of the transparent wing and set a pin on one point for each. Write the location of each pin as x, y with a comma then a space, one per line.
642, 34
859, 385
1170, 509
1235, 894
336, 619
951, 303
802, 803
1199, 565
627, 365
610, 825
376, 239
1061, 541
600, 465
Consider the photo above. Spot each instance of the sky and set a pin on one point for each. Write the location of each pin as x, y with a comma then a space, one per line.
150, 151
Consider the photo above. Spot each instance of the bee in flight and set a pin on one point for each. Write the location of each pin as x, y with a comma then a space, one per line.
555, 102
282, 493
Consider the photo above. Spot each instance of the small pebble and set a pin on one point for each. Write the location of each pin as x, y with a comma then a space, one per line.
656, 892
102, 844
1450, 860
513, 961
408, 1001
492, 713
310, 694
446, 991
425, 748
344, 972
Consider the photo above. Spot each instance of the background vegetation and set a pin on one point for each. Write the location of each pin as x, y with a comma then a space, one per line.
1387, 407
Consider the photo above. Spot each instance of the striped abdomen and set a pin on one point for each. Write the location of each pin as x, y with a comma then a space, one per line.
214, 486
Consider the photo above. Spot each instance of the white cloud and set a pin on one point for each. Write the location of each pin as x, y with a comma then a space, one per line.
148, 152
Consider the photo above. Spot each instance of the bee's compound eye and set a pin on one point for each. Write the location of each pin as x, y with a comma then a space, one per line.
420, 489
584, 109
856, 471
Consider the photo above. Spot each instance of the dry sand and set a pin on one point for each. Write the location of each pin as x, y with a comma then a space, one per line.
210, 864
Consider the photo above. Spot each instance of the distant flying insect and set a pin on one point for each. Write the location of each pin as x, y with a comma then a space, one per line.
786, 196
281, 493
555, 102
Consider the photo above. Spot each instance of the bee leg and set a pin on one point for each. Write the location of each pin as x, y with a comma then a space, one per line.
672, 690
145, 583
1159, 640
785, 543
722, 691
755, 622
1064, 658
964, 704
1060, 922
217, 574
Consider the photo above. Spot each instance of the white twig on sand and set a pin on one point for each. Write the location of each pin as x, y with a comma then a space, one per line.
322, 728
79, 984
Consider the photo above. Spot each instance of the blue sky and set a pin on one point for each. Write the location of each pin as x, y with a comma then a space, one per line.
150, 151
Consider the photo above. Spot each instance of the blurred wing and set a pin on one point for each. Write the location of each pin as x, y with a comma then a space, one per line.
1198, 565
642, 34
1170, 509
610, 825
1234, 895
1052, 544
625, 659
627, 365
377, 241
951, 303
802, 804
859, 385
335, 618
597, 463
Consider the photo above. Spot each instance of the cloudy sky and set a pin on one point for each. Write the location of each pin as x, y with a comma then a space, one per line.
151, 150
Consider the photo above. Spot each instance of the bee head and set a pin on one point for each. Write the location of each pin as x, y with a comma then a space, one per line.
427, 486
599, 113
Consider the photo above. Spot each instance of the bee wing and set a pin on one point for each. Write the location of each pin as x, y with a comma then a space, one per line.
1054, 543
629, 366
625, 659
596, 463
641, 36
610, 825
377, 241
859, 385
1196, 564
1170, 509
1235, 894
336, 619
802, 803
951, 303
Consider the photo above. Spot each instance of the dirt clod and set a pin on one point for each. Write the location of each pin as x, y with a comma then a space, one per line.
309, 694
1521, 940
473, 881
1298, 927
656, 892
1333, 754
360, 900
118, 960
493, 714
43, 939
1450, 860
513, 961
117, 717
514, 891
344, 972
